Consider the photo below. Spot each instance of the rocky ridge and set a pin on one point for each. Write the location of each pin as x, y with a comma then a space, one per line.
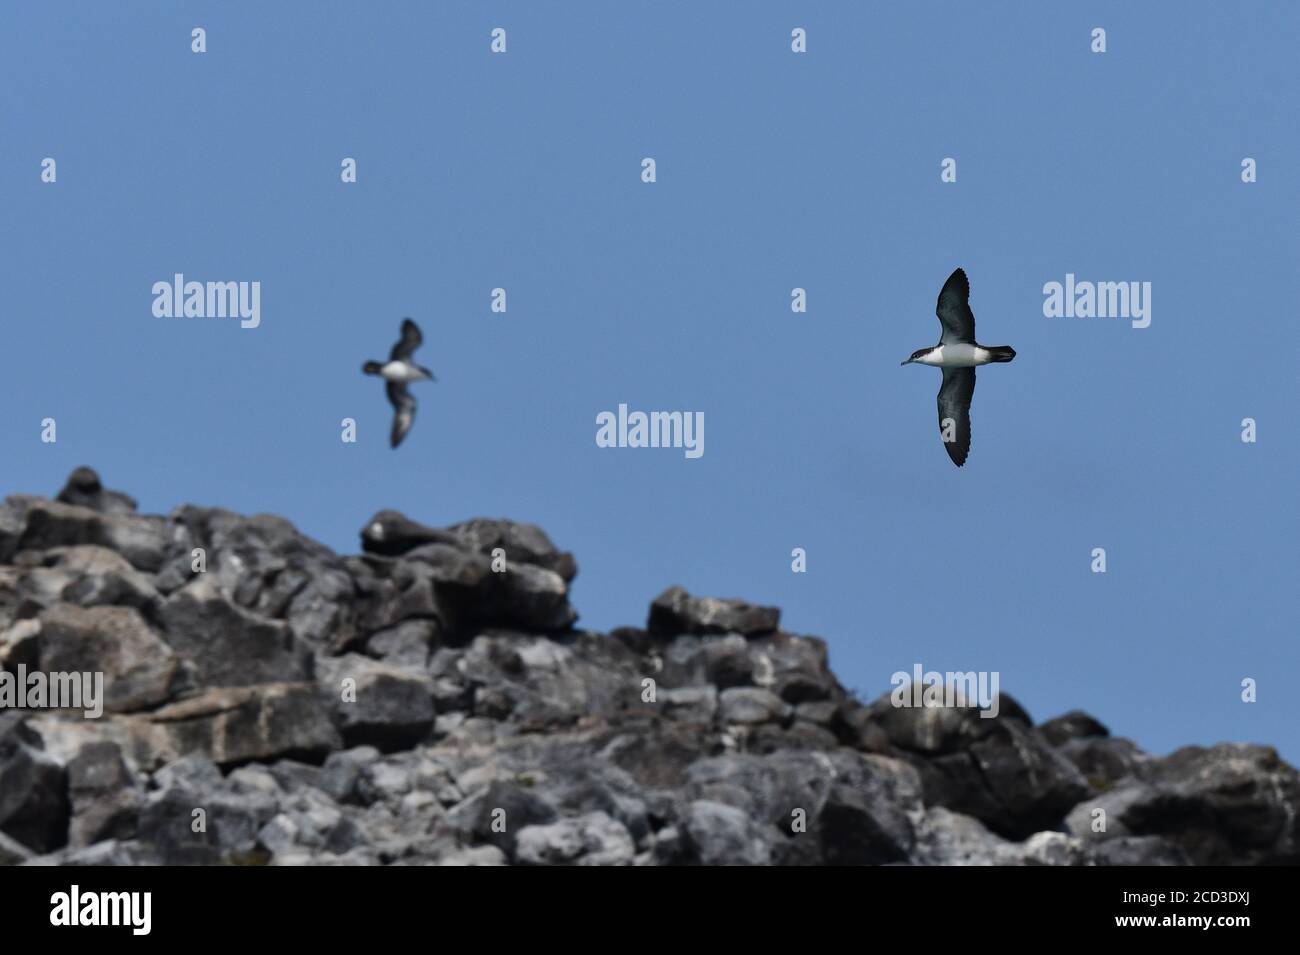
429, 701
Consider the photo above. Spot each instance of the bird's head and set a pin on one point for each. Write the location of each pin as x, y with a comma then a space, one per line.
917, 355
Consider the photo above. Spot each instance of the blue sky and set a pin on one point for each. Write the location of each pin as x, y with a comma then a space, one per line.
775, 171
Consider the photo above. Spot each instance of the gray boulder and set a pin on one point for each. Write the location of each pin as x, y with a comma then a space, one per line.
390, 534
675, 611
88, 575
238, 724
751, 704
140, 670
522, 543
714, 833
142, 540
376, 703
228, 645
1074, 725
1230, 803
591, 839
33, 788
83, 489
497, 814
105, 796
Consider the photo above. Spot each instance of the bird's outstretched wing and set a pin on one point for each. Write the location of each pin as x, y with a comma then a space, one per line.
955, 396
954, 312
403, 411
409, 342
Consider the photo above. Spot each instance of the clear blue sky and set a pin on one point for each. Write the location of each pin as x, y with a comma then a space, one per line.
775, 170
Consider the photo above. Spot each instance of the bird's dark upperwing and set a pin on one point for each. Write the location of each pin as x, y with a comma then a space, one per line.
403, 411
409, 342
954, 412
954, 312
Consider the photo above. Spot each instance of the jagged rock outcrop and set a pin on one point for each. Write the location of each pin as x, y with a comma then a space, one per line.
430, 701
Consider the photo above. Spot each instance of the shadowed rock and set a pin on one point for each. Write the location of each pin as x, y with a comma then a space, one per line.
140, 670
142, 540
84, 490
105, 796
376, 703
675, 611
476, 575
240, 724
1071, 726
227, 645
392, 534
33, 788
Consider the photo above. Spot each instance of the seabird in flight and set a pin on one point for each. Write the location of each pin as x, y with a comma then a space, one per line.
399, 371
957, 354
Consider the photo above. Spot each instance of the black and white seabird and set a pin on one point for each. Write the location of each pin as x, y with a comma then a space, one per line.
957, 354
399, 371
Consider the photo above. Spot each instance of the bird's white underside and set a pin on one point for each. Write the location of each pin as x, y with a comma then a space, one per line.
958, 355
400, 371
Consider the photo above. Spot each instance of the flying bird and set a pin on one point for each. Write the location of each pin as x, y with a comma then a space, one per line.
957, 354
399, 371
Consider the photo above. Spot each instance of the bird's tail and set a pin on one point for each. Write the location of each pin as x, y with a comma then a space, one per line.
1001, 352
371, 367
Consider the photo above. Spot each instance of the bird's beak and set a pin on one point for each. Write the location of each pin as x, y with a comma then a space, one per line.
902, 363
